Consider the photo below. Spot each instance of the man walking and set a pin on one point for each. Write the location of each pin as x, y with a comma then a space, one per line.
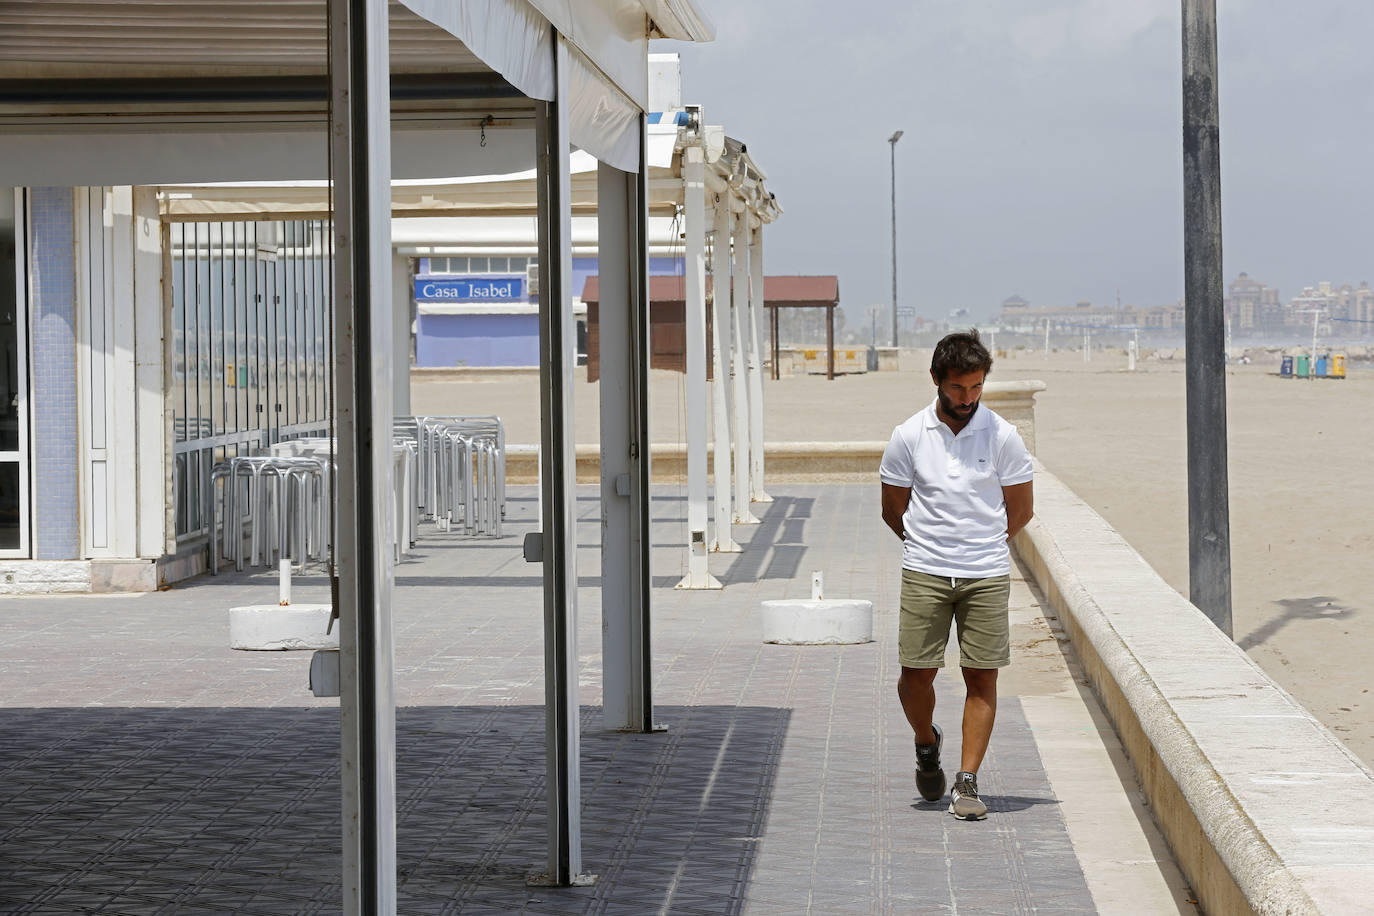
956, 488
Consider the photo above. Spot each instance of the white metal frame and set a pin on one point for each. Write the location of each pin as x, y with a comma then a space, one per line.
21, 309
742, 322
94, 435
722, 537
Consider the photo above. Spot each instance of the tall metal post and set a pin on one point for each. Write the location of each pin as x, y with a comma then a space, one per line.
739, 316
1209, 527
360, 160
694, 266
557, 335
623, 317
892, 144
723, 537
756, 309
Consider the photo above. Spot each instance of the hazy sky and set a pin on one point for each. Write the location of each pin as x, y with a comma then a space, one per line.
1042, 145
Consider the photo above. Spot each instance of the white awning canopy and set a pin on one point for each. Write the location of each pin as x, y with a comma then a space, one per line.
98, 91
501, 195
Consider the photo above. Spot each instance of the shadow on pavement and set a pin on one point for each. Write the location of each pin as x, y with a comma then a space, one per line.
782, 529
238, 809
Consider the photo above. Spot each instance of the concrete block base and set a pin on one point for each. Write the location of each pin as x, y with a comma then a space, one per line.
269, 626
817, 622
123, 576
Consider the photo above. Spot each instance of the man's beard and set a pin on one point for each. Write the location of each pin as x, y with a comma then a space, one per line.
953, 411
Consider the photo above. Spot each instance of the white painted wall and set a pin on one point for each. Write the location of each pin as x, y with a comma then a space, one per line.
150, 379
120, 434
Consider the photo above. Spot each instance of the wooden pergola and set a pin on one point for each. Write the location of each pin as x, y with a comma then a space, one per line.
822, 292
667, 305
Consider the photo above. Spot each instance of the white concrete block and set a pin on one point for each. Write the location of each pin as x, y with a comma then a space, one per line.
44, 577
811, 622
270, 626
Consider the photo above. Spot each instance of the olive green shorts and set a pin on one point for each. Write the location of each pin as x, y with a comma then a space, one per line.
978, 607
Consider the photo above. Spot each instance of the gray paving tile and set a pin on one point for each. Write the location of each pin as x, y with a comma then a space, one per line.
144, 767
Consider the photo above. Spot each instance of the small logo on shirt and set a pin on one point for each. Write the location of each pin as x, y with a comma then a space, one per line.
982, 461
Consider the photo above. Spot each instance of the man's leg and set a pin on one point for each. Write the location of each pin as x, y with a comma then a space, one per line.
916, 689
980, 709
984, 646
923, 630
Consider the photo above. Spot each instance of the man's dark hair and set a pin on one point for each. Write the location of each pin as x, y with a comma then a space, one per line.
960, 353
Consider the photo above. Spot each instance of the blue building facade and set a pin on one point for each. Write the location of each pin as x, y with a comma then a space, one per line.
480, 311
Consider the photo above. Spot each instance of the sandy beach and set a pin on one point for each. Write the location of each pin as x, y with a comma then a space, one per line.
1303, 580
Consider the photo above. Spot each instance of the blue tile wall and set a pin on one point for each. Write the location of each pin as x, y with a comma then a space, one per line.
56, 475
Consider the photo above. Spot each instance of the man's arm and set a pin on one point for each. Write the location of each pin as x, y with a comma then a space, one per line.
1020, 502
895, 501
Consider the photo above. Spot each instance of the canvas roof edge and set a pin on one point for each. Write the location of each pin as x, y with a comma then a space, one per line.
733, 169
610, 36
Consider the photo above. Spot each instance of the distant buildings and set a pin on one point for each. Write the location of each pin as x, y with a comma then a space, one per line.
1018, 315
1346, 304
1253, 306
1253, 309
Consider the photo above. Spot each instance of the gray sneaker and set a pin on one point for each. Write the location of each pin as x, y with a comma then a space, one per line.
930, 778
964, 802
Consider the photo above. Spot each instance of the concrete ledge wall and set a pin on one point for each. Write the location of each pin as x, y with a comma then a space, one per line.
786, 461
793, 461
1265, 809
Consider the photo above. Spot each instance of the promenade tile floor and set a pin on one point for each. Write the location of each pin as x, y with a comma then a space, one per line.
147, 768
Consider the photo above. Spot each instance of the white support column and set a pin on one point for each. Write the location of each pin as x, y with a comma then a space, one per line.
756, 315
723, 539
557, 357
401, 297
623, 320
123, 373
360, 155
740, 321
148, 375
694, 224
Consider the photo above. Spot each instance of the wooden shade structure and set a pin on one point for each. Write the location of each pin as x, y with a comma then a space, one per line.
667, 311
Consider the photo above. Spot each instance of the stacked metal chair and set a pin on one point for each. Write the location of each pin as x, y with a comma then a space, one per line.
280, 498
462, 472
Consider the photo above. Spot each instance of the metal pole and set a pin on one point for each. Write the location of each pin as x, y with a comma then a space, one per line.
623, 320
559, 527
739, 311
360, 160
723, 538
1209, 527
892, 145
756, 465
694, 223
1312, 365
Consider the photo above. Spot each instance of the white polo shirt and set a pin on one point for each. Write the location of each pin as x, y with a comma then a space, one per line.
956, 521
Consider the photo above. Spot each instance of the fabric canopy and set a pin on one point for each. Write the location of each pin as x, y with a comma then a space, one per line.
490, 195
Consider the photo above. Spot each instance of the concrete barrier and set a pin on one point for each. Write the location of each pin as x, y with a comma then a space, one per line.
787, 461
817, 621
790, 461
1265, 809
270, 627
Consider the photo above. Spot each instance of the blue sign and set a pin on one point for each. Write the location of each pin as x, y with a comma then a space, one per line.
469, 289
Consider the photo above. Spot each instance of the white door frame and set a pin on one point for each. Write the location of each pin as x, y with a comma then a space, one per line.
21, 308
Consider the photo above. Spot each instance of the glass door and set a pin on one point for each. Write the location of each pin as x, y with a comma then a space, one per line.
14, 375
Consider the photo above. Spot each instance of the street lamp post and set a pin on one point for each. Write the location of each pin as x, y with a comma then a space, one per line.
892, 144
